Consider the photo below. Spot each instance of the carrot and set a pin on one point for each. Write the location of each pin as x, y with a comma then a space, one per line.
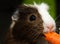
52, 37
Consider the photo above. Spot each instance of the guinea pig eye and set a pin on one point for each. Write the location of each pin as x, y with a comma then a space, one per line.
32, 18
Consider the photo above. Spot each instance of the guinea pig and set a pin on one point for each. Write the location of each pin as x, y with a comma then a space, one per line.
28, 23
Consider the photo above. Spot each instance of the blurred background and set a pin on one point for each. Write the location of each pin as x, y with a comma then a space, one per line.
7, 7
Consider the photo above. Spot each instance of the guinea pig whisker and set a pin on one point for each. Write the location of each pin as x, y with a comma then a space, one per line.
35, 36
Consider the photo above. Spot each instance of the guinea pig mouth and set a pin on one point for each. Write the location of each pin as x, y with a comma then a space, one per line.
33, 35
36, 36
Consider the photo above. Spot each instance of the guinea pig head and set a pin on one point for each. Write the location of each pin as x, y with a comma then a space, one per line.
28, 24
29, 21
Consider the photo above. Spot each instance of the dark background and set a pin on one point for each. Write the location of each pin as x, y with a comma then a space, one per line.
58, 16
7, 7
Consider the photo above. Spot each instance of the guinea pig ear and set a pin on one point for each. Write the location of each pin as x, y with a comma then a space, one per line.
15, 16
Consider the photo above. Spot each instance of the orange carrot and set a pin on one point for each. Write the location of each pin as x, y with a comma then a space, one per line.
52, 37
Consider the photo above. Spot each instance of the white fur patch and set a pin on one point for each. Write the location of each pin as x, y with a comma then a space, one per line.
47, 19
12, 24
15, 15
14, 18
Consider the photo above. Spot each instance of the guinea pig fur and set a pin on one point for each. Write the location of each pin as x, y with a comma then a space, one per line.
28, 23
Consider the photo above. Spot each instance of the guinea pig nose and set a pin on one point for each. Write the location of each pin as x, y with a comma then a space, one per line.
50, 26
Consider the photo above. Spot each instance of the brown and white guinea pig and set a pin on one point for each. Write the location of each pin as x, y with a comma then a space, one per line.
28, 23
